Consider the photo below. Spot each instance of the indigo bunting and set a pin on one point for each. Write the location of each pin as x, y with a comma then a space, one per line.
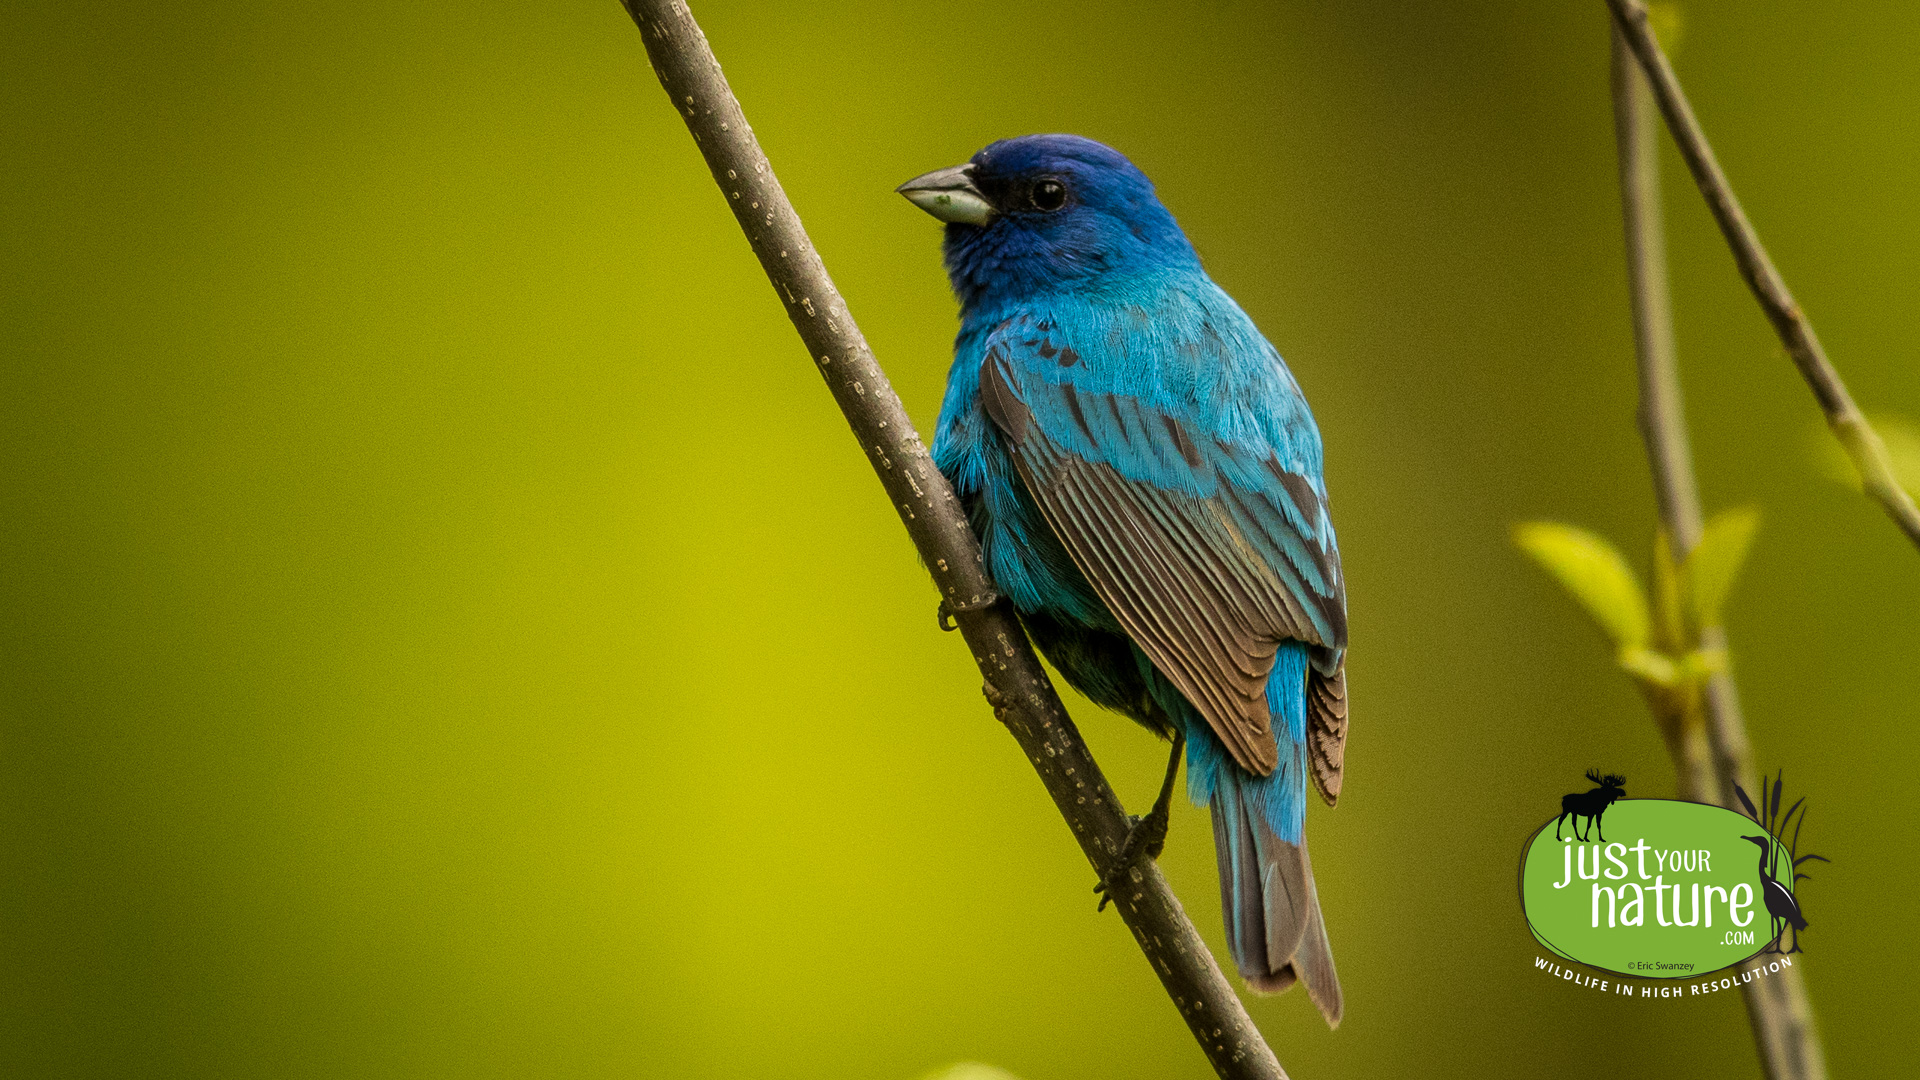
1145, 479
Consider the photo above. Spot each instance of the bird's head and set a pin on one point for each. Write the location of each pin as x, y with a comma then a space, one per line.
1045, 212
1764, 843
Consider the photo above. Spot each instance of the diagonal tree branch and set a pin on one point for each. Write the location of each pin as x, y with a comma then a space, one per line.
1778, 1008
1863, 444
1023, 697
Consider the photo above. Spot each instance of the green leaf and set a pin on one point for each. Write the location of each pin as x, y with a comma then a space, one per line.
1649, 666
1715, 562
1592, 570
1702, 664
1902, 439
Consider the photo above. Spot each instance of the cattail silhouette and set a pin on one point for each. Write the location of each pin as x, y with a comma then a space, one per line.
1591, 804
1782, 903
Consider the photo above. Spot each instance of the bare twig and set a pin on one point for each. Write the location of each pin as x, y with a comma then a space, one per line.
1777, 1007
1022, 695
1663, 421
1863, 444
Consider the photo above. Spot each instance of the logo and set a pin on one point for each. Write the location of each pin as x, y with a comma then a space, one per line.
1681, 889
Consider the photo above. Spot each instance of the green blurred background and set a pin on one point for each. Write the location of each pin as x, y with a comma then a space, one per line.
448, 632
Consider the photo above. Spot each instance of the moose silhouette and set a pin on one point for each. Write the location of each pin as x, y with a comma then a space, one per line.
1591, 804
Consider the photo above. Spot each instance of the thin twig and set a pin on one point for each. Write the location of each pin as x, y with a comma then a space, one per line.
1023, 696
1777, 1007
1663, 421
1863, 444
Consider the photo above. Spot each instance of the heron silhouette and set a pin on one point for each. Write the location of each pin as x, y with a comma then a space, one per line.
1780, 902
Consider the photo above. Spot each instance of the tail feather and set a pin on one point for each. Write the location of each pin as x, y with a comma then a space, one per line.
1274, 927
1241, 902
1314, 959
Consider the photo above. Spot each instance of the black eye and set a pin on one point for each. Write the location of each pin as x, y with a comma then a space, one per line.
1049, 195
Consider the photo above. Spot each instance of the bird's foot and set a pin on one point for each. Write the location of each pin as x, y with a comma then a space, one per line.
950, 608
1147, 837
997, 700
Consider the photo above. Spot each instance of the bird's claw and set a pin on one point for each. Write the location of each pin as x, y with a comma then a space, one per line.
1148, 837
996, 700
950, 608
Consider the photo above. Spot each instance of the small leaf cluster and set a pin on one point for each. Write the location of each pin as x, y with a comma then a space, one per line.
1656, 638
1901, 438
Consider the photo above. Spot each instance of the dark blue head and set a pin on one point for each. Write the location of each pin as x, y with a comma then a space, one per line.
1046, 212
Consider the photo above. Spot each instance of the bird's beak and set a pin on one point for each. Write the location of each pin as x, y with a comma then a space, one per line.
949, 195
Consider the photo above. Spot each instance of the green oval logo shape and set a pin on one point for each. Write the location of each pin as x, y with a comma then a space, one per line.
1675, 889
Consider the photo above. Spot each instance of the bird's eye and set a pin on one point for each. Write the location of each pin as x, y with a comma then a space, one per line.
1049, 195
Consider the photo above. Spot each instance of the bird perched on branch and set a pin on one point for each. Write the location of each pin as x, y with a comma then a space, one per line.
1145, 479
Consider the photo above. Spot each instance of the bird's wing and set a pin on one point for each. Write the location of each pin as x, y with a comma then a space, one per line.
1209, 549
1327, 729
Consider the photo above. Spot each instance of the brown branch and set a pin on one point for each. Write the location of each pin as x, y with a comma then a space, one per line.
1022, 695
1663, 422
1778, 1008
1863, 444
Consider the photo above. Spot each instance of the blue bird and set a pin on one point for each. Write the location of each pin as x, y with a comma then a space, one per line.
1145, 479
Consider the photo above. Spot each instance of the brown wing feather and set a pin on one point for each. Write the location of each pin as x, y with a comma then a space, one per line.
1327, 729
1168, 602
1175, 571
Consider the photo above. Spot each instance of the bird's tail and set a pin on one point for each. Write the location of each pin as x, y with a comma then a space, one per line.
1274, 928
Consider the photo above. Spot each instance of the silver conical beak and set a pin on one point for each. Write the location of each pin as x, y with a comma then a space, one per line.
949, 195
